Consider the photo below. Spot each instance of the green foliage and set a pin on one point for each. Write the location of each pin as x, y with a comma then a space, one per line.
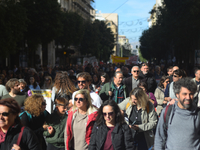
12, 24
44, 21
98, 40
73, 29
142, 59
176, 32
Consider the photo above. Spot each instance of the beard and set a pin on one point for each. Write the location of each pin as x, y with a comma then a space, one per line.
186, 106
15, 91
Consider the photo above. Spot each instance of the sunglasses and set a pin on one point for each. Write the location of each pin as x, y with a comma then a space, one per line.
44, 103
5, 114
109, 114
167, 81
136, 71
81, 81
80, 99
175, 76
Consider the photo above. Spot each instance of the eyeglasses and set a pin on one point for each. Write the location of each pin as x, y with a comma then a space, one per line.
81, 81
136, 71
5, 114
80, 99
44, 103
109, 114
175, 76
167, 81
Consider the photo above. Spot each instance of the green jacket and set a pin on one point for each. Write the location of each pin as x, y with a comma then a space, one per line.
58, 123
118, 94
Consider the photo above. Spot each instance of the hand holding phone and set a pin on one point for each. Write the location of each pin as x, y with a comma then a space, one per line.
133, 123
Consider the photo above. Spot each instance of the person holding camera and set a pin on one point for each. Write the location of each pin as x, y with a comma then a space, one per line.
141, 117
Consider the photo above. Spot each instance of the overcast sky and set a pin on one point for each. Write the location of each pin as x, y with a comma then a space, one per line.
133, 15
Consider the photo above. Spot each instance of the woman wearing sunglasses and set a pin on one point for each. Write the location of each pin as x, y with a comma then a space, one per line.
34, 116
81, 118
10, 128
141, 117
159, 94
110, 131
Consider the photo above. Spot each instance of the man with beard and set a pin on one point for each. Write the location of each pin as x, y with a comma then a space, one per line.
13, 88
179, 124
147, 77
83, 81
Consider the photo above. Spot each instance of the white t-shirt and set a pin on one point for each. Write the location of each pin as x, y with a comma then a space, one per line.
96, 100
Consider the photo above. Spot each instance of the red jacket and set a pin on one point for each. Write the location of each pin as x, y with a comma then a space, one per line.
90, 123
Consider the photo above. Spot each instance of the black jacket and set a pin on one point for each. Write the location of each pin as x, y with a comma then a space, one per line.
150, 80
29, 140
121, 137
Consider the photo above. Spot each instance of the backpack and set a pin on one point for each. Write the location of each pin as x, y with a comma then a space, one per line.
30, 116
166, 116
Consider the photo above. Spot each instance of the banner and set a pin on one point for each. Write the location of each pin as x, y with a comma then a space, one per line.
46, 93
92, 60
133, 60
117, 59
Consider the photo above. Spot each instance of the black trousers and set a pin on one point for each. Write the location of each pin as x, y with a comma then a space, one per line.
51, 147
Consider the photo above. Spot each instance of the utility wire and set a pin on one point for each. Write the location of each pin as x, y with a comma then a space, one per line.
117, 8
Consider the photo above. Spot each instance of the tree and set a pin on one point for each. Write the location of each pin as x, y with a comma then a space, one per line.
44, 21
12, 24
73, 29
176, 32
98, 40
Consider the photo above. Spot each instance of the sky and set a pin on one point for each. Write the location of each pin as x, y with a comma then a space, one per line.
133, 16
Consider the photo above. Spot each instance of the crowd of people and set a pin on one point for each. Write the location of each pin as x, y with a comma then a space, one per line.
105, 108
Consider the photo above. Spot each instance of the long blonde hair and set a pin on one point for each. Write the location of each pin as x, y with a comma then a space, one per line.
141, 96
86, 95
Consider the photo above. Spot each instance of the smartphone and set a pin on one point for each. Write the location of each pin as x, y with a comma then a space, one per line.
133, 123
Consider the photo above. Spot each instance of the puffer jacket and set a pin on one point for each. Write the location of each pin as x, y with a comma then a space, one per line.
121, 137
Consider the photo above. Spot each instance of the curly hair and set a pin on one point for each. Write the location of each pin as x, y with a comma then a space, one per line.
33, 104
187, 83
141, 96
11, 83
63, 83
118, 115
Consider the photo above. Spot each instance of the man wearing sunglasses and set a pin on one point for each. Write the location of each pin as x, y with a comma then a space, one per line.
13, 88
83, 82
132, 81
